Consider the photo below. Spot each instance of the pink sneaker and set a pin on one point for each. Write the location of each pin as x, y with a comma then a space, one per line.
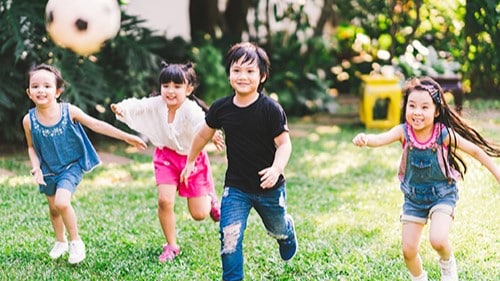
169, 253
215, 210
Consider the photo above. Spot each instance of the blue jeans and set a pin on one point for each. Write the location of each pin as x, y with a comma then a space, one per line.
235, 208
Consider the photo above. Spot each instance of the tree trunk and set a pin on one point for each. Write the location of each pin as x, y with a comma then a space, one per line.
235, 18
327, 15
203, 18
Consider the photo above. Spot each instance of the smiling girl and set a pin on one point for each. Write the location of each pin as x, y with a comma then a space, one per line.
170, 122
430, 168
60, 152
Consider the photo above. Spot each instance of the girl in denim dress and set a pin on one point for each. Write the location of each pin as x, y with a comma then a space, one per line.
60, 152
430, 167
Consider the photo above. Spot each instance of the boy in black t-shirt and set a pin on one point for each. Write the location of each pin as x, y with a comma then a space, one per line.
258, 149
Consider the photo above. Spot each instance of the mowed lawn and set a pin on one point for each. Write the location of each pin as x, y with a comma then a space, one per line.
345, 201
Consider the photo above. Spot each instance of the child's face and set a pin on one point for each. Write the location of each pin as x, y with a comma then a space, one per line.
175, 94
244, 77
42, 87
420, 110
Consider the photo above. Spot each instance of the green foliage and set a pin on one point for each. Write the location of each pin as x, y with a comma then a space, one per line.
374, 32
20, 36
298, 67
482, 37
305, 70
419, 60
370, 15
126, 66
297, 77
465, 30
210, 69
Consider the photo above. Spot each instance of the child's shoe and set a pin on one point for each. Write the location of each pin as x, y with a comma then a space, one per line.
59, 249
76, 251
448, 269
288, 247
422, 277
215, 209
169, 253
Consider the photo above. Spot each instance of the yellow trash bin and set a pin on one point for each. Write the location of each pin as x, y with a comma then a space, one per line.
380, 103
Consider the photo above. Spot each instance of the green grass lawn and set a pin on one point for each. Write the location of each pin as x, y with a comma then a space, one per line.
345, 201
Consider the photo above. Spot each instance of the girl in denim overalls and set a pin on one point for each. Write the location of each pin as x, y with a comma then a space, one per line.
430, 167
60, 152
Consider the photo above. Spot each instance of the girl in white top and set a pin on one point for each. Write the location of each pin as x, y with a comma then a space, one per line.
170, 121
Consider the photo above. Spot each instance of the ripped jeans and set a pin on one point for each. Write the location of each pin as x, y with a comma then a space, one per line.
235, 208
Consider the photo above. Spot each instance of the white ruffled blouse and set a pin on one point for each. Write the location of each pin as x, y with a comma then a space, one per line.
149, 116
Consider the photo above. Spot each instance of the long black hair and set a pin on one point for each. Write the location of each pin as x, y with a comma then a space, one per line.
182, 74
453, 122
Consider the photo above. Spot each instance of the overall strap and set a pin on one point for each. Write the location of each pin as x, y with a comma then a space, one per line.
443, 133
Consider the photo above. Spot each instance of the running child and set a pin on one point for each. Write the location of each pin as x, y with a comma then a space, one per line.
170, 121
430, 168
60, 152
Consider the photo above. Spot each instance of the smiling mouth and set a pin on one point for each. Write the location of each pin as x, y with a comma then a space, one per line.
417, 121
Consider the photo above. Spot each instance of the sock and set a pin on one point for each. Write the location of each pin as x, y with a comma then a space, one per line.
422, 277
447, 262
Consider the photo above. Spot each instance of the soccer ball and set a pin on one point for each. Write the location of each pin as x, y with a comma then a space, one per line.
82, 25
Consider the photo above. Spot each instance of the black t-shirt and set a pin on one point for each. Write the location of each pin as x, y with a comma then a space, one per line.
249, 136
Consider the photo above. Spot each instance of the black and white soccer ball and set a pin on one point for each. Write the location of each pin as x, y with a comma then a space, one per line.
82, 25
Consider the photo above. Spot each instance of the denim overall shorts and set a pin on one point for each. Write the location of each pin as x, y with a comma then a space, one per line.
425, 186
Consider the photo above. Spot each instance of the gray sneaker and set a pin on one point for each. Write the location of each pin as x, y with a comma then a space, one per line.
76, 251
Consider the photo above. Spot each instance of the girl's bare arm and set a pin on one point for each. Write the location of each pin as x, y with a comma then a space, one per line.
104, 128
376, 140
476, 152
36, 171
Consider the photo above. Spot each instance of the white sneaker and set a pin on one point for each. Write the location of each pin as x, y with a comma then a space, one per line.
76, 251
422, 277
448, 269
59, 249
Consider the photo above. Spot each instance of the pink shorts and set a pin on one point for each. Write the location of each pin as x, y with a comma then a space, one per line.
168, 166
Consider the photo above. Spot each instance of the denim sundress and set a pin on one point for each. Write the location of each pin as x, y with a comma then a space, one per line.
62, 145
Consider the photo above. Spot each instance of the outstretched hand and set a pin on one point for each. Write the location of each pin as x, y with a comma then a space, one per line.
136, 141
116, 110
360, 140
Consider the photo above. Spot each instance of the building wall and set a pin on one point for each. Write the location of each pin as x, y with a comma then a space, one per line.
171, 17
167, 17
